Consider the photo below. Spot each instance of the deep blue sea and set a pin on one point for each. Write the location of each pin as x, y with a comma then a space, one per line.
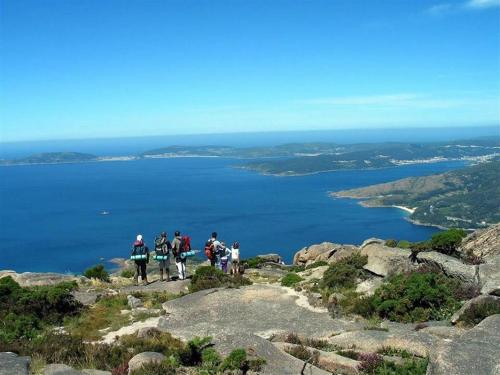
50, 214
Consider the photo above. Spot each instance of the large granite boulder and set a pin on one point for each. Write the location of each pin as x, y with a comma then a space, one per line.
482, 243
12, 364
27, 279
384, 260
60, 369
451, 267
142, 359
473, 305
489, 276
477, 351
326, 251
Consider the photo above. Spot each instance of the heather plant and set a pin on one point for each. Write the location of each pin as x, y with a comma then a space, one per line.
345, 273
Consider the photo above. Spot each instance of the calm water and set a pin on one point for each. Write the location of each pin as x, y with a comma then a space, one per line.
50, 214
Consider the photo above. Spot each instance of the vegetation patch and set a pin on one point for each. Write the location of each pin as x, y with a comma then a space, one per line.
255, 262
207, 277
290, 279
97, 272
344, 274
476, 313
26, 312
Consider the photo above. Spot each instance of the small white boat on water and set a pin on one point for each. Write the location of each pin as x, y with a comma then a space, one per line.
105, 213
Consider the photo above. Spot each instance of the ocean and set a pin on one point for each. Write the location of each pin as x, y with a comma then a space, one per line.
51, 219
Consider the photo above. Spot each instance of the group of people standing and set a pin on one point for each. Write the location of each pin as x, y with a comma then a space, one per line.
180, 249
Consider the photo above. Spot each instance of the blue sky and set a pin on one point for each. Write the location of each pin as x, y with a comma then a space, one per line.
78, 69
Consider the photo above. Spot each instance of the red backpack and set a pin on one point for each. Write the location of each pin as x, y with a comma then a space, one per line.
185, 244
209, 249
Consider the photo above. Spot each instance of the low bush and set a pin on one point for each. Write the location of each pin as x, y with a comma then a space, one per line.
290, 279
304, 354
207, 277
25, 312
254, 262
476, 313
127, 273
345, 273
97, 272
413, 297
447, 242
391, 243
403, 244
317, 264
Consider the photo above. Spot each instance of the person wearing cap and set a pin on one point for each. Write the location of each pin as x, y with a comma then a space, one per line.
235, 258
140, 255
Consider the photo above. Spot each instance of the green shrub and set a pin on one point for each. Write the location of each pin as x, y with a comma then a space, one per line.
155, 368
344, 273
413, 297
446, 242
304, 354
290, 279
403, 244
210, 359
254, 262
296, 268
97, 272
476, 313
317, 264
414, 366
127, 273
391, 243
24, 312
236, 360
207, 277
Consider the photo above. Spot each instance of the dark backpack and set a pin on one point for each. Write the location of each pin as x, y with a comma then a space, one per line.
159, 243
209, 249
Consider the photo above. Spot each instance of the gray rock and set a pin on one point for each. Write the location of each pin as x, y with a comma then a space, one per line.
134, 302
371, 241
473, 304
328, 361
148, 332
326, 251
368, 287
450, 266
60, 369
26, 279
483, 243
273, 258
386, 261
86, 297
476, 352
489, 276
262, 310
141, 359
277, 361
91, 371
12, 364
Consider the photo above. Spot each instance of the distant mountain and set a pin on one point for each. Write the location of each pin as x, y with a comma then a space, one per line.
377, 155
52, 158
467, 198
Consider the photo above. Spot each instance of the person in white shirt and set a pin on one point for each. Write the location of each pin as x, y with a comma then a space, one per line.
235, 258
217, 246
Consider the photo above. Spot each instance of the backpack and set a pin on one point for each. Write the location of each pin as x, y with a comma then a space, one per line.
209, 249
158, 243
140, 253
185, 244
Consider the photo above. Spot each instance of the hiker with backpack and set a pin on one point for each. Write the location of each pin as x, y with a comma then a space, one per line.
225, 255
162, 254
140, 255
181, 250
211, 249
235, 258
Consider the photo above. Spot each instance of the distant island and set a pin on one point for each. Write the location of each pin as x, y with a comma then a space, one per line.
302, 158
467, 198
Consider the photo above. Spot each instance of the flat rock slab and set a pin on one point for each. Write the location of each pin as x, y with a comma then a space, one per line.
257, 309
386, 261
277, 361
489, 276
60, 369
450, 266
477, 351
27, 279
417, 343
173, 287
12, 364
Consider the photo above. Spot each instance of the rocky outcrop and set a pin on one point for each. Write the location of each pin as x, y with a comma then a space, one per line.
489, 276
384, 260
477, 351
134, 302
142, 359
369, 286
60, 369
12, 364
451, 267
482, 243
473, 305
27, 279
326, 251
